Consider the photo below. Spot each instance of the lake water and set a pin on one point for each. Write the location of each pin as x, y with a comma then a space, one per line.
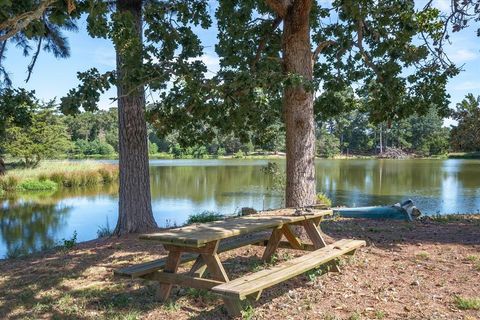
183, 187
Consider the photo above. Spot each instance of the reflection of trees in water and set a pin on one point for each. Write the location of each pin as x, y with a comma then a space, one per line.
199, 183
29, 227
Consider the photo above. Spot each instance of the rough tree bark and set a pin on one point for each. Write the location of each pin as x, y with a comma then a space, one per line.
135, 207
3, 169
298, 102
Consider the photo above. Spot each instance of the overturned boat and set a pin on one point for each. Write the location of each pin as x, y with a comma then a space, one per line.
399, 211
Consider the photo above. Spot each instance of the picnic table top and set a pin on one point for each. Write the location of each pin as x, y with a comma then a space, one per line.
198, 235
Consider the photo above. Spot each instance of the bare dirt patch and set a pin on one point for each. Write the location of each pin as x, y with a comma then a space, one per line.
417, 270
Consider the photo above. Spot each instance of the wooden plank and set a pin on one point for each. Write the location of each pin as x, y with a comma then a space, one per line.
171, 266
288, 245
200, 234
291, 237
138, 270
314, 234
247, 285
272, 244
182, 280
199, 267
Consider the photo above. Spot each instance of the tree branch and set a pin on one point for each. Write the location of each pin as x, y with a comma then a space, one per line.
263, 42
14, 25
364, 54
279, 6
34, 59
321, 46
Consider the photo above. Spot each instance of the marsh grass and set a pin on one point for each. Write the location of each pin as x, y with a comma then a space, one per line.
50, 175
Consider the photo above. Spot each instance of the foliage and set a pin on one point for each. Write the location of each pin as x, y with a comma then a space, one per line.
40, 32
69, 244
322, 198
328, 145
370, 44
205, 216
46, 137
95, 147
37, 185
277, 176
466, 135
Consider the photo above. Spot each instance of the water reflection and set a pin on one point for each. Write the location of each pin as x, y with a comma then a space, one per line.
29, 227
183, 187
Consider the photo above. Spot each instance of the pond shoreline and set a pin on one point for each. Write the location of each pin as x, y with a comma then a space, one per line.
425, 269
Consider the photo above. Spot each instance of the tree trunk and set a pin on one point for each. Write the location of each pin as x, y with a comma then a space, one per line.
298, 107
135, 207
3, 169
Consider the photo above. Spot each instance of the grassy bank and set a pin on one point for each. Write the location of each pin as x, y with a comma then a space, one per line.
464, 155
51, 175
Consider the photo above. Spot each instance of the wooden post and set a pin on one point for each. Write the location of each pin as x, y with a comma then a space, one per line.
272, 244
171, 266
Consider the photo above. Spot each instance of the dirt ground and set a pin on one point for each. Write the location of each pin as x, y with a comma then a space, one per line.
427, 269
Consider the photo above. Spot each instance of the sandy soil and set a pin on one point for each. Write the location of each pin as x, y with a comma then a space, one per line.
414, 270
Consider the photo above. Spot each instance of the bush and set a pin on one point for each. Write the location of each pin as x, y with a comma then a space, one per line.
95, 147
152, 147
221, 152
239, 155
205, 216
322, 198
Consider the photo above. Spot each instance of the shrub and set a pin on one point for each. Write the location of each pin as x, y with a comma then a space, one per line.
205, 216
36, 185
322, 198
70, 243
221, 152
104, 231
239, 155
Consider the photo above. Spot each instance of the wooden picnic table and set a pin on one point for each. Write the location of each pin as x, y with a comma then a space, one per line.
201, 242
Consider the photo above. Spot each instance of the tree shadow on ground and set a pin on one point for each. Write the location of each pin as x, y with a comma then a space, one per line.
463, 230
76, 284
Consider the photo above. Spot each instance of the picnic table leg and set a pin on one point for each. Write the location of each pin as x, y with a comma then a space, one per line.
171, 266
217, 272
198, 268
272, 244
291, 237
313, 231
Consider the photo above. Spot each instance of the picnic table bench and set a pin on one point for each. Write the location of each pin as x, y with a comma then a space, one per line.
201, 243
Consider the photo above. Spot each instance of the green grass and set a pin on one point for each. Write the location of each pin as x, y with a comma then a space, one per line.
50, 175
467, 303
37, 185
205, 216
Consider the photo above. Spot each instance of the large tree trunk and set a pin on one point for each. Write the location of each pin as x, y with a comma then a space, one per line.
298, 107
3, 169
135, 207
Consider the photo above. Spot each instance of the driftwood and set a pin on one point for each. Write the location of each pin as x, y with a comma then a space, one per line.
393, 153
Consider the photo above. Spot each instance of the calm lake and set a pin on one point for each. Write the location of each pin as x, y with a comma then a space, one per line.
182, 187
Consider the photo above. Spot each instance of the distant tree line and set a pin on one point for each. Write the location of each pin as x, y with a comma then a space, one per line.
46, 133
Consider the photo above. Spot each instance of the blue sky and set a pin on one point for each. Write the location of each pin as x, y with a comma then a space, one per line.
54, 77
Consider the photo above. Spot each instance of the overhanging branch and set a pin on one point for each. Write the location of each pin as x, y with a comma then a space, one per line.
263, 42
14, 25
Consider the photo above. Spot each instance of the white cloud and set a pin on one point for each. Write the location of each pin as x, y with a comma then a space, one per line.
211, 61
463, 55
